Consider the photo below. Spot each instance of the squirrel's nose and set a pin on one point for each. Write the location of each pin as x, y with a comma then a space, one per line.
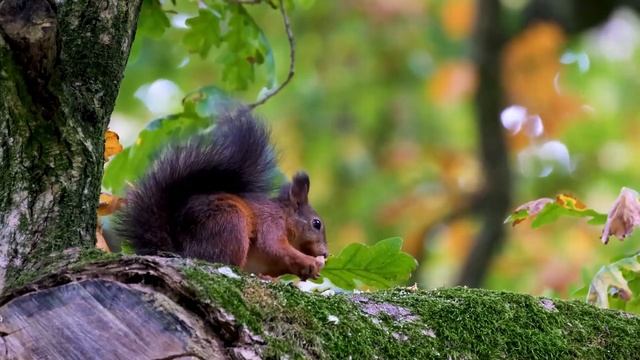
324, 255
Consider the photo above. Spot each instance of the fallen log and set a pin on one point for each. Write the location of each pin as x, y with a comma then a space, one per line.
169, 308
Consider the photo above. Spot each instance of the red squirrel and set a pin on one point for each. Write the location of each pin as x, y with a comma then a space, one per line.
209, 199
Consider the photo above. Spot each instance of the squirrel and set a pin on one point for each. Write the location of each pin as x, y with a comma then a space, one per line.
209, 199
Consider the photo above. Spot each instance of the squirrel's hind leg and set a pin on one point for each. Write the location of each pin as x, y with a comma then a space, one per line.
218, 228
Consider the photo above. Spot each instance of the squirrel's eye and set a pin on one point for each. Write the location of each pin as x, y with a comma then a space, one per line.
316, 223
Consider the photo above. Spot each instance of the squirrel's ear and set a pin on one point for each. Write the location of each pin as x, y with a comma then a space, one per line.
299, 188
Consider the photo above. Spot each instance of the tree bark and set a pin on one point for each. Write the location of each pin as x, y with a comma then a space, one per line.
167, 308
61, 64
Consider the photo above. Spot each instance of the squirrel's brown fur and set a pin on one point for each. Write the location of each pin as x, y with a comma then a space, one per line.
209, 199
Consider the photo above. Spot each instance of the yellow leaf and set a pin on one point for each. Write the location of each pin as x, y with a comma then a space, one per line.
108, 204
112, 144
570, 202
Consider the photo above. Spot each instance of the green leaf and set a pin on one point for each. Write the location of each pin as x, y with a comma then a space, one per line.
379, 266
130, 164
203, 33
517, 216
305, 4
553, 211
245, 45
246, 48
153, 20
207, 102
613, 279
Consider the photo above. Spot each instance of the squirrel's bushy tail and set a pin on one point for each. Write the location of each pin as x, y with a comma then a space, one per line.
237, 159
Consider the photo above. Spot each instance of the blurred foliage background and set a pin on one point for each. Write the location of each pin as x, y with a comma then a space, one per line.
383, 112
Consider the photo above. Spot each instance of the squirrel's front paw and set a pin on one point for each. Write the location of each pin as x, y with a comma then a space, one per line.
309, 267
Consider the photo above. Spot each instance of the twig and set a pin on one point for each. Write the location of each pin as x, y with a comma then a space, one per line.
254, 2
292, 60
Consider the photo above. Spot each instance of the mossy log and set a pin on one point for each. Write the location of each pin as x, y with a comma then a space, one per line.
169, 308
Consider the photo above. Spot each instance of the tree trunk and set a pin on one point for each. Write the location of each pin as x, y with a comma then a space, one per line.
61, 64
495, 199
168, 308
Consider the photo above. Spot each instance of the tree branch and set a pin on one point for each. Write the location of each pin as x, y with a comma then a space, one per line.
292, 60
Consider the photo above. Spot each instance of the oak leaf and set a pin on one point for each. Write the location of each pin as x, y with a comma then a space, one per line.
547, 210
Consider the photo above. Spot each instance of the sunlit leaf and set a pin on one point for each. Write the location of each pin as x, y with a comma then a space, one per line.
153, 20
246, 47
203, 33
243, 45
379, 266
623, 217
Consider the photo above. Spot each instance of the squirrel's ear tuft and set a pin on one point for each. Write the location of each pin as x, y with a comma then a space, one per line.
299, 189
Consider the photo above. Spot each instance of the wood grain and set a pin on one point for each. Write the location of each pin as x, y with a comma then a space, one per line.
101, 319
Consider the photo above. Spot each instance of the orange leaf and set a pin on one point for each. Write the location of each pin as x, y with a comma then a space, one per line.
112, 144
108, 204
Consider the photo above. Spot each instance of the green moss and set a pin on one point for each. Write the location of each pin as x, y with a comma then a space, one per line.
456, 323
56, 262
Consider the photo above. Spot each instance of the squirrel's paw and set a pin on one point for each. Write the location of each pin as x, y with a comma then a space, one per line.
309, 267
320, 261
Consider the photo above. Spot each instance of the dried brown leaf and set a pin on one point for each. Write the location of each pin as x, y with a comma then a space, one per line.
101, 243
112, 144
527, 210
623, 217
108, 204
